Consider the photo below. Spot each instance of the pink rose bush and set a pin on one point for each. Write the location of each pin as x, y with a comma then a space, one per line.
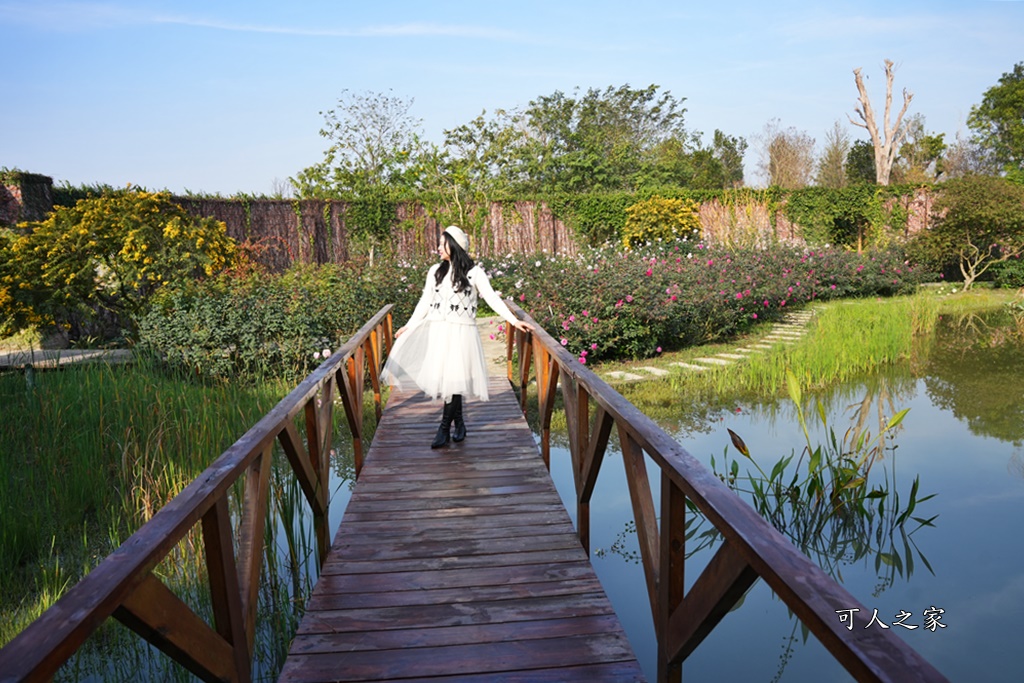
607, 304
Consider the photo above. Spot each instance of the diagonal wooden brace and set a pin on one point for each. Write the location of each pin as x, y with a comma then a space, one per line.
159, 616
722, 583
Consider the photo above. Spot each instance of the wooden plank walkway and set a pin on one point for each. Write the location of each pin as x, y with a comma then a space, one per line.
458, 564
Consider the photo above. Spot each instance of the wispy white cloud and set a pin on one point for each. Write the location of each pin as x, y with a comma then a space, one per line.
985, 499
381, 31
66, 16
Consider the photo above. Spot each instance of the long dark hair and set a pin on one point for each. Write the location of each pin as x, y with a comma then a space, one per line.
461, 264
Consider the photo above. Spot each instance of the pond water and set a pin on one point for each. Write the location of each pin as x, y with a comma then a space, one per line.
963, 437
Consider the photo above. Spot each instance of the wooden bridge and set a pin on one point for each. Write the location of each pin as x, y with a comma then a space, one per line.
457, 564
458, 561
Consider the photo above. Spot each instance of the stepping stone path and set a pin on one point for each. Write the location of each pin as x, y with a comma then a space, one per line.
713, 361
789, 331
624, 376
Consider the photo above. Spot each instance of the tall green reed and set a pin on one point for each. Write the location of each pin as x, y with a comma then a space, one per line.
100, 448
833, 499
129, 439
829, 503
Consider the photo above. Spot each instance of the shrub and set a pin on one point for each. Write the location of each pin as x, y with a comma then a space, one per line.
660, 220
94, 265
277, 326
16, 311
594, 217
1009, 274
982, 224
604, 304
631, 305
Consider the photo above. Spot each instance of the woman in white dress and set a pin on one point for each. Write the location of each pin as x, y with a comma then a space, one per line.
439, 350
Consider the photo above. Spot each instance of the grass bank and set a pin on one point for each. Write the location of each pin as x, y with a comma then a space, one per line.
89, 454
843, 340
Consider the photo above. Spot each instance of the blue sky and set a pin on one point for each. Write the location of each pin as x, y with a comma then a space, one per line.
225, 96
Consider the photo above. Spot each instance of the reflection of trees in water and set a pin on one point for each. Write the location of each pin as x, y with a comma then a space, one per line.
877, 406
976, 372
836, 501
831, 500
1016, 464
868, 404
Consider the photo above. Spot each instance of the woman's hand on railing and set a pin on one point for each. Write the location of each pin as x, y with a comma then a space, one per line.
520, 325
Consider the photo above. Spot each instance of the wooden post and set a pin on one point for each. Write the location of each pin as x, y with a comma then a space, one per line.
224, 589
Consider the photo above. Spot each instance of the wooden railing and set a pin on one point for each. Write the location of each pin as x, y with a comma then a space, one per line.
751, 548
124, 586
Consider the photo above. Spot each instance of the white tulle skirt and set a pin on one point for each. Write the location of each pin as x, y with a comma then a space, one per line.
440, 359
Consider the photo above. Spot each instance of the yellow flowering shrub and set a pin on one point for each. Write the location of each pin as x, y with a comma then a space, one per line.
660, 220
106, 255
16, 310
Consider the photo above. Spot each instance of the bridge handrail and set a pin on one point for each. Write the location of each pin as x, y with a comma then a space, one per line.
752, 547
123, 584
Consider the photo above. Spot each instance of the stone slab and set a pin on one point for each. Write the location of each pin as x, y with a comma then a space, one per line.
690, 366
714, 361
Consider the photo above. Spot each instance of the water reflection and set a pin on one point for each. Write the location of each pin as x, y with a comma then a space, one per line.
971, 372
963, 438
835, 500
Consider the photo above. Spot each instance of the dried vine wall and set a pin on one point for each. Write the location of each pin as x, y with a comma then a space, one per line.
24, 197
318, 231
287, 231
281, 232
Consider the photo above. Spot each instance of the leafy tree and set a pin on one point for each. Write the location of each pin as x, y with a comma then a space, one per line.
729, 151
94, 265
921, 155
375, 154
616, 139
602, 140
688, 163
374, 147
707, 171
860, 163
998, 122
482, 151
673, 162
832, 163
982, 223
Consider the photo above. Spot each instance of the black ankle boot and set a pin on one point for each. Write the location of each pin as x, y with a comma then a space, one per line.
444, 431
460, 426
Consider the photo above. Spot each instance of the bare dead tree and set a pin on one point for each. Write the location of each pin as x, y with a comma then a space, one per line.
887, 141
787, 155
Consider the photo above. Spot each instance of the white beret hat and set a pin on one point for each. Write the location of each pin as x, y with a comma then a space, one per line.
459, 235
